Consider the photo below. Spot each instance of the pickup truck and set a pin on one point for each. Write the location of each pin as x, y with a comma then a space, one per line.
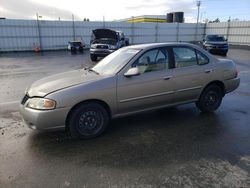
105, 41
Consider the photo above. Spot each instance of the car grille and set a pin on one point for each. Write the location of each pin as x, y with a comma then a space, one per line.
102, 47
219, 46
25, 98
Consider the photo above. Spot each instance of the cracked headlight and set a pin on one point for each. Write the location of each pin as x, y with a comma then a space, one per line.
41, 104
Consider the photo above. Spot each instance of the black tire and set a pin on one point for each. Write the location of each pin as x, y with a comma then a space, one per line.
73, 50
224, 53
93, 57
210, 99
88, 120
80, 49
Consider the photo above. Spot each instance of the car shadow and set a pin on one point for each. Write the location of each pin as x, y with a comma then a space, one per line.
144, 140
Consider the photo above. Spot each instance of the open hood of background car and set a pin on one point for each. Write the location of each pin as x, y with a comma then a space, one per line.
105, 33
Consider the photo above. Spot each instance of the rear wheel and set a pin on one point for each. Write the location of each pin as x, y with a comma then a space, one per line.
93, 57
210, 99
87, 121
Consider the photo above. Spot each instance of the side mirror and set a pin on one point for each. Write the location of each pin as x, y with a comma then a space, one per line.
134, 71
226, 39
203, 40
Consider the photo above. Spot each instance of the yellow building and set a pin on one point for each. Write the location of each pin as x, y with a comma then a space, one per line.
146, 18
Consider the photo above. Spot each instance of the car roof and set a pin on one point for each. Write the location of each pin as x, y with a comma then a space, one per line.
157, 45
149, 46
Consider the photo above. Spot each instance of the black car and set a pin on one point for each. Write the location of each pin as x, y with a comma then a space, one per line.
105, 41
216, 44
75, 46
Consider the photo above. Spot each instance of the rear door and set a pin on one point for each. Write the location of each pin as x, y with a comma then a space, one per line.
191, 73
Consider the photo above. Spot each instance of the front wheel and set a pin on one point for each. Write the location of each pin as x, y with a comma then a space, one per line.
93, 57
87, 121
80, 49
73, 50
224, 53
210, 99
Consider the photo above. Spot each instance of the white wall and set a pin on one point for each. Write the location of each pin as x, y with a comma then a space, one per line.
21, 35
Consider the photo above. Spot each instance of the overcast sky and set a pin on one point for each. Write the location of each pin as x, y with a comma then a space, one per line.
119, 9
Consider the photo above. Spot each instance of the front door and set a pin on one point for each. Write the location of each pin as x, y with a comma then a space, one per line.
153, 87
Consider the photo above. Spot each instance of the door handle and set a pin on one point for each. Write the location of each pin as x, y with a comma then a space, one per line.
208, 70
167, 77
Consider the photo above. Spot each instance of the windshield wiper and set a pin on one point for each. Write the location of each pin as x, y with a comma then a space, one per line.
91, 70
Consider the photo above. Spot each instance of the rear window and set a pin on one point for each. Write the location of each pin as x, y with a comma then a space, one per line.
184, 57
202, 59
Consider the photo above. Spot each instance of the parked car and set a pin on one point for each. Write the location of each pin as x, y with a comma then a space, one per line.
105, 41
216, 44
75, 46
133, 79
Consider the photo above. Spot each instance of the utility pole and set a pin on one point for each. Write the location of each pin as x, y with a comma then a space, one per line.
198, 4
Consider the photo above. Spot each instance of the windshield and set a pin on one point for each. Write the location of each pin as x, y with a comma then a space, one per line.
105, 41
115, 61
215, 38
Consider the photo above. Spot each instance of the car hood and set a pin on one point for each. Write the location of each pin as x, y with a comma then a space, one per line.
60, 81
215, 42
105, 33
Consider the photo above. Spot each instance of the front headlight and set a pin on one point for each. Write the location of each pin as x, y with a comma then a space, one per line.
41, 104
93, 46
112, 47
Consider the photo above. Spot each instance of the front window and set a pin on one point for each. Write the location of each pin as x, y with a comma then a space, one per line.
105, 41
114, 62
152, 60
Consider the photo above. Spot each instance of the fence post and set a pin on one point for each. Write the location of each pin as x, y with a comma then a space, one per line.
228, 28
156, 31
132, 32
177, 31
205, 31
196, 32
73, 27
39, 31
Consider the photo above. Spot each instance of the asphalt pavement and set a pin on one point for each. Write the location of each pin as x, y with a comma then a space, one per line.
175, 147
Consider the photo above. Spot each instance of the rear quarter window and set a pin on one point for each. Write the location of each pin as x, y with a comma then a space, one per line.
201, 58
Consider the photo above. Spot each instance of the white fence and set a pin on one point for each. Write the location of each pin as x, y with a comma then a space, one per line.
237, 33
21, 35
